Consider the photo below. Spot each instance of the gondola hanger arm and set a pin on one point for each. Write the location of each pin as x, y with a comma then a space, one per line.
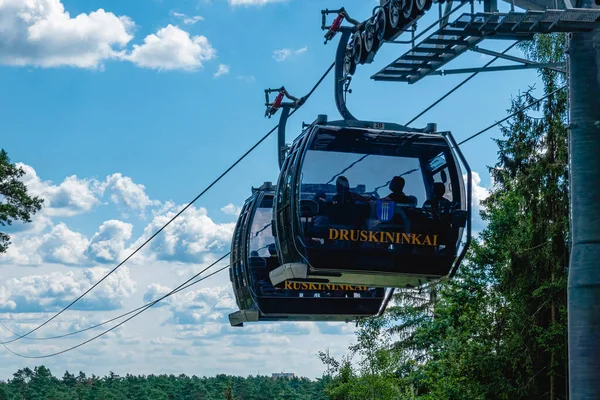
272, 107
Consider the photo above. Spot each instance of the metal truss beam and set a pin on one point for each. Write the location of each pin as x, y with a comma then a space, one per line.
553, 66
492, 53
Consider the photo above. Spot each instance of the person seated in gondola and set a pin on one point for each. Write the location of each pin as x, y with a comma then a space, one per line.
272, 250
438, 205
399, 197
397, 188
258, 271
343, 195
322, 221
348, 208
440, 209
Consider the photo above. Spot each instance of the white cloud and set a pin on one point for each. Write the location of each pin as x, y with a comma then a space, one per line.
73, 196
189, 238
41, 33
50, 292
108, 244
283, 54
301, 50
258, 3
200, 306
126, 193
188, 20
61, 246
231, 209
222, 70
479, 194
172, 48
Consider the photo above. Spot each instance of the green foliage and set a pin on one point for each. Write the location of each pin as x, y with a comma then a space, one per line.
15, 202
498, 330
39, 383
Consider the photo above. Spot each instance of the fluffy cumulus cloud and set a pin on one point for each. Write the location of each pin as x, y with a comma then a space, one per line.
222, 70
73, 196
127, 194
189, 238
51, 292
108, 244
231, 209
62, 246
172, 48
480, 193
200, 306
283, 54
42, 33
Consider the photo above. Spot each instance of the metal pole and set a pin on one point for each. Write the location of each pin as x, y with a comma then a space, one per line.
281, 146
584, 270
340, 100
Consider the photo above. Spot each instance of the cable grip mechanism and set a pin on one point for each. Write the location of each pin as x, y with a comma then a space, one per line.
336, 26
273, 107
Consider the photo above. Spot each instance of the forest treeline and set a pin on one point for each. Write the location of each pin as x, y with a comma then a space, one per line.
498, 330
40, 384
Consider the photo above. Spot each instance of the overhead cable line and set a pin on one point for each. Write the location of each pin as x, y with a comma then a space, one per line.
107, 321
144, 308
182, 210
435, 103
346, 169
533, 103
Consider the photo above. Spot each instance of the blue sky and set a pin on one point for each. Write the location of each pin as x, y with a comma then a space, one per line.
122, 112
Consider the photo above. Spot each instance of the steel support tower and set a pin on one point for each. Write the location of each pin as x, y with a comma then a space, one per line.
584, 266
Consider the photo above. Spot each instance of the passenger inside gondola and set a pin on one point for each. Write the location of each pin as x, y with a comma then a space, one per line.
438, 205
398, 195
348, 208
441, 209
343, 195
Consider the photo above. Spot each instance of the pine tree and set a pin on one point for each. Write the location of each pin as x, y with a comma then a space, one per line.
15, 203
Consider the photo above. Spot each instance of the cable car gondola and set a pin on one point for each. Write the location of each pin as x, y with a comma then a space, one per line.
253, 256
367, 203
